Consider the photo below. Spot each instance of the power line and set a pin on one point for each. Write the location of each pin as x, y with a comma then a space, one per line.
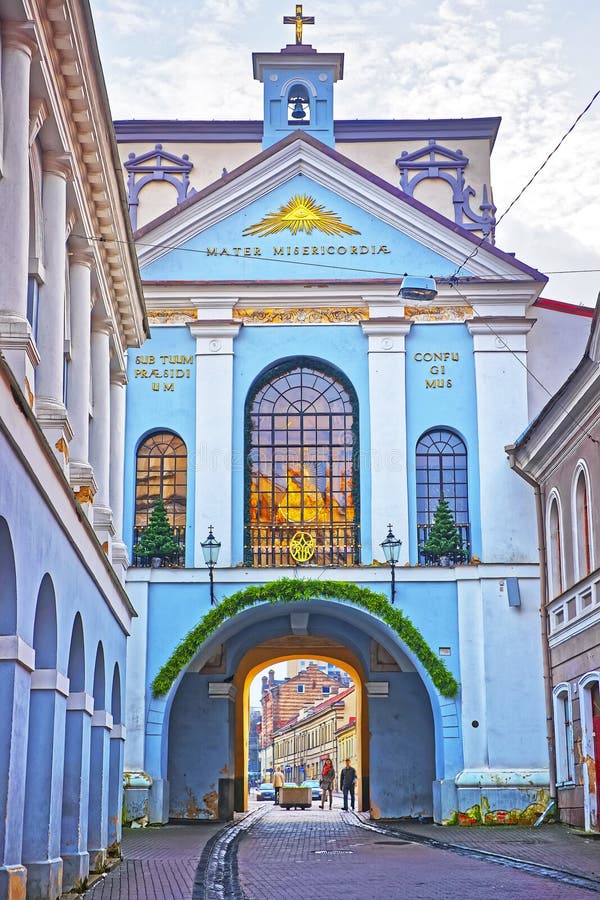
499, 337
475, 250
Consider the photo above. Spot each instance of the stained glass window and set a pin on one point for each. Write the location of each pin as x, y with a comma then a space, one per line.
301, 487
441, 469
161, 472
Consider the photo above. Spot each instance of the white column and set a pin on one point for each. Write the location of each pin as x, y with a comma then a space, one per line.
49, 379
16, 341
100, 433
214, 433
78, 399
120, 558
508, 524
387, 406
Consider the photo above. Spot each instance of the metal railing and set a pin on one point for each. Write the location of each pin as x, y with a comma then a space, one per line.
269, 545
452, 559
175, 560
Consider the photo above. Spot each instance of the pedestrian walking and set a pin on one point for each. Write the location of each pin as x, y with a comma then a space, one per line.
347, 783
326, 782
278, 781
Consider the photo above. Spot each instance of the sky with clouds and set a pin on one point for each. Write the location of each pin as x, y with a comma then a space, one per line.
532, 62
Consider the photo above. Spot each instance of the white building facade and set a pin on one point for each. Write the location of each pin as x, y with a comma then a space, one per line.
70, 306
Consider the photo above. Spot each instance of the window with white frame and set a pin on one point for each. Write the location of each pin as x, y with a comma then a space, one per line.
582, 526
563, 729
554, 549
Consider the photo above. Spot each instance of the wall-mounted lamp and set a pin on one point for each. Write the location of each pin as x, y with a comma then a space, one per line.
210, 550
391, 551
418, 288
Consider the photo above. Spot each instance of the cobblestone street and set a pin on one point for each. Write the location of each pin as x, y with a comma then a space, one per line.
277, 854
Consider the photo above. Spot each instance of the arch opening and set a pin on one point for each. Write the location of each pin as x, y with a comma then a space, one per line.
206, 717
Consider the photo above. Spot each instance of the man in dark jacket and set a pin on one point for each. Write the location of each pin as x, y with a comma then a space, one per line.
347, 783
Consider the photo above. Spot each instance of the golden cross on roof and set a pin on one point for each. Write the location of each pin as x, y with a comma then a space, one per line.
298, 20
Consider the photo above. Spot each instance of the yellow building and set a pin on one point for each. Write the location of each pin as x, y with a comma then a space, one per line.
301, 744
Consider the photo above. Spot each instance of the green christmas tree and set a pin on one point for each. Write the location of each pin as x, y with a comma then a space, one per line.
158, 538
444, 537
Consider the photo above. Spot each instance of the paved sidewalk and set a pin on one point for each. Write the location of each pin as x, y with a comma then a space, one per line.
292, 855
553, 846
158, 864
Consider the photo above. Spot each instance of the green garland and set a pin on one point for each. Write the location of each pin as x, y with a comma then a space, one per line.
290, 590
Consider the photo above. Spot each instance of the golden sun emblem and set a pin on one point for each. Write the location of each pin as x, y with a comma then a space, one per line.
302, 546
300, 213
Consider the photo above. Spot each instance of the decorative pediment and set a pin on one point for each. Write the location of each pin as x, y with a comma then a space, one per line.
436, 161
210, 226
157, 165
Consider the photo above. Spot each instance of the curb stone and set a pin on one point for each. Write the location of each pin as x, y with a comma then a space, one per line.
217, 873
563, 875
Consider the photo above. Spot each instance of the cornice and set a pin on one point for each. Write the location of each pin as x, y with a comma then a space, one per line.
500, 325
74, 78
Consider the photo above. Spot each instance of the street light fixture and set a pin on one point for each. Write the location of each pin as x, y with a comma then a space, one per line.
210, 550
418, 289
391, 551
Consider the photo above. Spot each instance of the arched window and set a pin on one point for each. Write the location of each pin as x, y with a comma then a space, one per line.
161, 471
582, 526
301, 484
563, 728
554, 549
441, 470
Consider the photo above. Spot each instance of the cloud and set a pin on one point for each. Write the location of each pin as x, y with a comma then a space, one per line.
431, 59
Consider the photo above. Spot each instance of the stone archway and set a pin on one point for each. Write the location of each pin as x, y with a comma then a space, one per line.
198, 729
296, 647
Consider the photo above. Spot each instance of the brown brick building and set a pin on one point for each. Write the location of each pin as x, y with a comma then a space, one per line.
282, 700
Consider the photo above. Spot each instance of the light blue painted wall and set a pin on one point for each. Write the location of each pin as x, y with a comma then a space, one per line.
452, 407
149, 411
191, 262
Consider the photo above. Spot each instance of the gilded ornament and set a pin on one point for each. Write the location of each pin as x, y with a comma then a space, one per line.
301, 213
320, 315
302, 546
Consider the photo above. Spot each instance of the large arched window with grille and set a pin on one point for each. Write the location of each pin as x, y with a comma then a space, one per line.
441, 471
161, 471
302, 473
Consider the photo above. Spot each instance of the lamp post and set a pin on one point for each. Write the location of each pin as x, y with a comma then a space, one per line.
210, 550
391, 551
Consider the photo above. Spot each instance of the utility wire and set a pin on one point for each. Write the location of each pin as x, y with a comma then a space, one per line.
499, 338
475, 250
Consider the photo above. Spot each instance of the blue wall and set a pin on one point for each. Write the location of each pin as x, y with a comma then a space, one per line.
151, 410
336, 261
453, 407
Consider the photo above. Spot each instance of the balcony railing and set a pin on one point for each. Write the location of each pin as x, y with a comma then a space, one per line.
175, 560
269, 545
453, 559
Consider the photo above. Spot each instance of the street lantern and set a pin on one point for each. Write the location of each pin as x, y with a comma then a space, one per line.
210, 551
391, 551
418, 289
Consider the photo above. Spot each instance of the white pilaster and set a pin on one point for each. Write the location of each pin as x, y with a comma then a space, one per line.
49, 381
78, 400
472, 674
100, 434
387, 404
120, 558
16, 340
214, 433
508, 525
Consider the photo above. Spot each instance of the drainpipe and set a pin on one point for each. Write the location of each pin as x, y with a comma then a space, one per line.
547, 667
